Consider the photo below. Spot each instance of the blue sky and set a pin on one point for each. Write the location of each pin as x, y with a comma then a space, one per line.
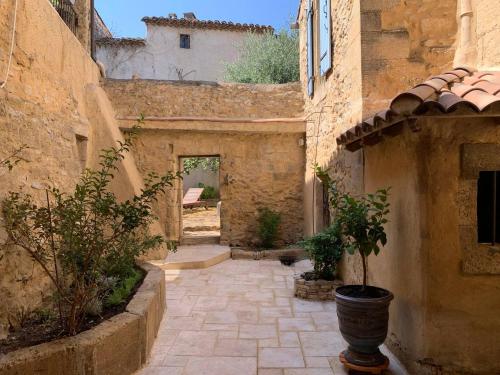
123, 17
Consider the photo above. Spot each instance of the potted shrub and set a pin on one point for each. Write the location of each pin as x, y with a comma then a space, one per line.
363, 310
325, 250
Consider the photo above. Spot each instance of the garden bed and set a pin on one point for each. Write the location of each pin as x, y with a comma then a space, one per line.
308, 287
119, 344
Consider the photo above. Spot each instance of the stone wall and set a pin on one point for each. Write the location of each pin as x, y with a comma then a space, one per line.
403, 43
53, 104
204, 99
262, 157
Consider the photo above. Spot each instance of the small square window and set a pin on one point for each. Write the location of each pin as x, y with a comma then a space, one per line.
185, 41
488, 207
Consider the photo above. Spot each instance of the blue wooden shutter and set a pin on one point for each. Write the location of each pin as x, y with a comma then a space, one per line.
310, 49
325, 37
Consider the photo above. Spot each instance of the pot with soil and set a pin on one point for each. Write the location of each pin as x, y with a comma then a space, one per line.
363, 320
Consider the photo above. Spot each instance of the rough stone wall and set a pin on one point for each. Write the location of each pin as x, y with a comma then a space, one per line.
442, 318
257, 171
259, 168
335, 107
204, 99
42, 107
50, 101
403, 43
486, 14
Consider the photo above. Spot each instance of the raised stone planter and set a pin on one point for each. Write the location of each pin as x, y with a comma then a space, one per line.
316, 290
120, 345
251, 254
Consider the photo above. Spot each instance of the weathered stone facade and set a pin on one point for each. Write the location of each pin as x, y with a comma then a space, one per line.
380, 49
261, 154
52, 103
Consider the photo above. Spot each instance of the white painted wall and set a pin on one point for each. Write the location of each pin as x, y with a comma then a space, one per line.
162, 55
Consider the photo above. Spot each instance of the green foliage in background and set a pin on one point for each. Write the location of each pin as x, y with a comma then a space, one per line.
209, 192
269, 222
207, 164
267, 58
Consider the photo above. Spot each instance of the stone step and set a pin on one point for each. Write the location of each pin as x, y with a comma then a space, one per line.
195, 257
190, 240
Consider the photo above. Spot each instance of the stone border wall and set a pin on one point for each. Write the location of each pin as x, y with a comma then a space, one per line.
120, 345
248, 254
315, 290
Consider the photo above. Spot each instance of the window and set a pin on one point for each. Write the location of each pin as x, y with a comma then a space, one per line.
185, 41
488, 207
325, 37
310, 48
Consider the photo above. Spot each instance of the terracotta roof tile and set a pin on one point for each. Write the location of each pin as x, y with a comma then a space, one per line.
460, 91
211, 25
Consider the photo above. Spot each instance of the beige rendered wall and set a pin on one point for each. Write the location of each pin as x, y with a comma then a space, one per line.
51, 97
442, 320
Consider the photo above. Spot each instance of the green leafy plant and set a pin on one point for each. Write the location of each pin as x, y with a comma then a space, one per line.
123, 289
84, 239
361, 219
269, 222
205, 163
267, 58
209, 192
325, 249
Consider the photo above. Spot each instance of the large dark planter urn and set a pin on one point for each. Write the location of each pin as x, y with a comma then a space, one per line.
363, 320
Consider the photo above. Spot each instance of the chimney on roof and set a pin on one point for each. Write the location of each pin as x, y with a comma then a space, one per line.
189, 16
172, 16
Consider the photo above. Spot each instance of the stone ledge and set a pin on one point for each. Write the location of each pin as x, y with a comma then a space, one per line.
120, 345
245, 254
316, 290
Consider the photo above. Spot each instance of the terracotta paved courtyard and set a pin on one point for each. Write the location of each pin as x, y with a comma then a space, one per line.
240, 318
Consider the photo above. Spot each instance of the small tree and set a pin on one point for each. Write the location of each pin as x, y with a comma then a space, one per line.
267, 58
362, 220
85, 240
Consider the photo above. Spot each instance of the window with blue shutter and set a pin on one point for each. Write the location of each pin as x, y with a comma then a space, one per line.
310, 48
325, 37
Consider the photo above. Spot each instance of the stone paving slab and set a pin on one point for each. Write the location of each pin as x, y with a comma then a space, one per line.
239, 317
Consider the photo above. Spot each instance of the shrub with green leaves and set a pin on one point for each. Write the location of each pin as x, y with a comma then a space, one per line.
269, 222
325, 249
267, 58
85, 239
209, 192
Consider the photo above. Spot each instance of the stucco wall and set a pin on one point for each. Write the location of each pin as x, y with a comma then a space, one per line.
441, 319
162, 58
262, 157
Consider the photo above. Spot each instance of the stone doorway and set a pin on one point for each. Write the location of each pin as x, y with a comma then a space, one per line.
200, 220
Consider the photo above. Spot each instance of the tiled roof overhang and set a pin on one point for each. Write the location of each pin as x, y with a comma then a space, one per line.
457, 93
208, 25
121, 42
